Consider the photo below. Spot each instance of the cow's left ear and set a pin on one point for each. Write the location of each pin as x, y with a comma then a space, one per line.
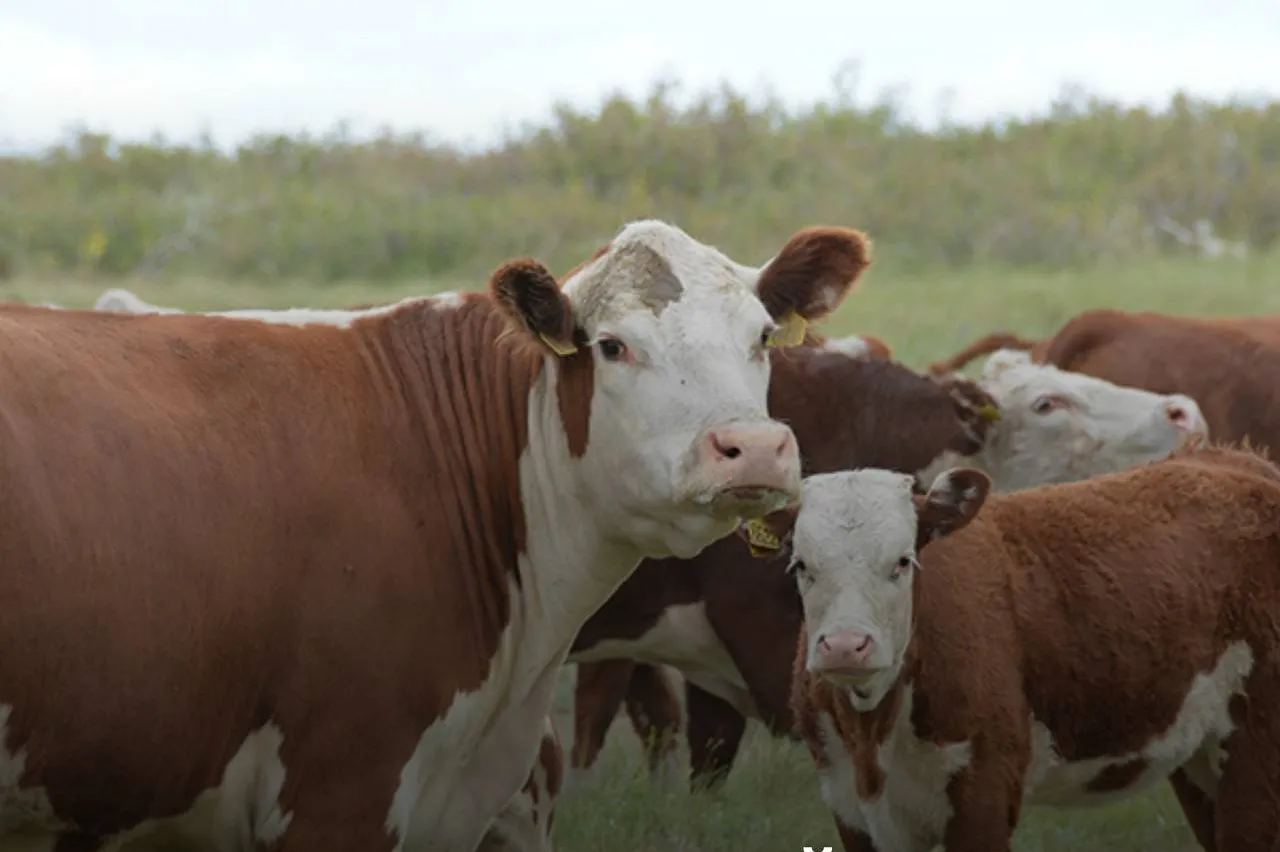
950, 503
769, 536
810, 277
528, 294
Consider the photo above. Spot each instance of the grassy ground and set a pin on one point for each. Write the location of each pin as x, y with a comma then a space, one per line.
770, 801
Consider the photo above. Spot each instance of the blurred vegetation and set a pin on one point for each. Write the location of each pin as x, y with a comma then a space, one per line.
1089, 180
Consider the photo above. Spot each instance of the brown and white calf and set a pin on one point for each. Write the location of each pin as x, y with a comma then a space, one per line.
730, 627
1231, 365
965, 655
316, 579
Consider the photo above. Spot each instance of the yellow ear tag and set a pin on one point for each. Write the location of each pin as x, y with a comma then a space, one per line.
564, 350
760, 538
790, 330
989, 412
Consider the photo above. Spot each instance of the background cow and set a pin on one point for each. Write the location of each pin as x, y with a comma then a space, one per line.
1067, 645
1229, 365
239, 541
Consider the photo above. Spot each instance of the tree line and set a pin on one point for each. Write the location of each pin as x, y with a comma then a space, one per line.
1086, 180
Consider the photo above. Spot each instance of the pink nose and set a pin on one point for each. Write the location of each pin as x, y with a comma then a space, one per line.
1184, 416
758, 455
847, 652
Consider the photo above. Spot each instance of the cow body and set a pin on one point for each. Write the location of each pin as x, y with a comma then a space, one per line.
316, 579
1068, 646
1229, 365
730, 627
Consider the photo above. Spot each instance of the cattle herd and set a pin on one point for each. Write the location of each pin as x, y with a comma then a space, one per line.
304, 580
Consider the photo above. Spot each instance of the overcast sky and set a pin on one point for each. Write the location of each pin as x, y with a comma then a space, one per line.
133, 67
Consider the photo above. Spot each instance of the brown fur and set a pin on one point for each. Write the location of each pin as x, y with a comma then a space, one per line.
846, 412
265, 472
1092, 606
1230, 365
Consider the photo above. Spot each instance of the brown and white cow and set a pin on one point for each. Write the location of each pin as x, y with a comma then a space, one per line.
316, 580
730, 628
1068, 645
1230, 365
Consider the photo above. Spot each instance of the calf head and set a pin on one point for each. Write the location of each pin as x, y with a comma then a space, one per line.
670, 339
1059, 426
853, 547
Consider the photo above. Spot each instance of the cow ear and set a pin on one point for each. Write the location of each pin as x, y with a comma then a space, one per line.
950, 503
769, 536
528, 294
810, 277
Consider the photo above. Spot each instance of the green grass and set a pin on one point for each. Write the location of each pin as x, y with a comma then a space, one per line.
770, 801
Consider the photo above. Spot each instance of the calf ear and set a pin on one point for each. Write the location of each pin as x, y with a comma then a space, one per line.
769, 536
810, 277
528, 294
950, 503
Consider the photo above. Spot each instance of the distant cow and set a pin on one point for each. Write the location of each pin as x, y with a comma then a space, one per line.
1230, 365
316, 581
730, 627
1072, 645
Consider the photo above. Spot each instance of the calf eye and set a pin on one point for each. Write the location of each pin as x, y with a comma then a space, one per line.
1044, 404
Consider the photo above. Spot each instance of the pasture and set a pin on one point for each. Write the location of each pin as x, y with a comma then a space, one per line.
770, 800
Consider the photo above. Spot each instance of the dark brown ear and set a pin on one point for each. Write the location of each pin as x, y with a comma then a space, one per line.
950, 504
527, 293
771, 535
812, 274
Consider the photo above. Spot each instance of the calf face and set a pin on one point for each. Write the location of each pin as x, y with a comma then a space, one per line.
1058, 426
853, 548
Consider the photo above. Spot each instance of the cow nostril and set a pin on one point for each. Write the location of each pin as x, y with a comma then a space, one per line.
1176, 413
729, 451
862, 645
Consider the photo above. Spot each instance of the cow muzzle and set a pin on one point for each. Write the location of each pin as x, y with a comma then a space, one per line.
748, 470
846, 658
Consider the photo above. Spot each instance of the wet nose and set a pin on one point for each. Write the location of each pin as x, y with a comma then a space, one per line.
754, 456
1184, 414
847, 652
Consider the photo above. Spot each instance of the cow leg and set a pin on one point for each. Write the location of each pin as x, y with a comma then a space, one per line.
715, 733
985, 801
597, 697
1247, 801
1197, 806
854, 840
655, 712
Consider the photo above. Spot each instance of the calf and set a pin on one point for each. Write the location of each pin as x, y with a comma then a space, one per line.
317, 578
1069, 645
730, 628
1230, 365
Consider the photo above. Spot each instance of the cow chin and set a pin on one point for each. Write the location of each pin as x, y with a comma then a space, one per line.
866, 695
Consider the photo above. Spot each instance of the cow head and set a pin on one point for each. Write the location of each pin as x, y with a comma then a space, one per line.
1059, 426
671, 339
853, 547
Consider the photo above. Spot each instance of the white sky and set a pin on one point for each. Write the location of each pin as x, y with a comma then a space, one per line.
132, 67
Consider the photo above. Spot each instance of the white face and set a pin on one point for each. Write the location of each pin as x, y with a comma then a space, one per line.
1059, 426
854, 557
680, 435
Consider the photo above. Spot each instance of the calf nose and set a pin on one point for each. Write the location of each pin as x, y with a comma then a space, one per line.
847, 652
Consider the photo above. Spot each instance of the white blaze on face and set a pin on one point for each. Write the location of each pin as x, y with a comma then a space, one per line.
854, 557
1059, 426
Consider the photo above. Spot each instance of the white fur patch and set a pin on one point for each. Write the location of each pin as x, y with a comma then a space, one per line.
683, 639
913, 809
1203, 722
242, 813
851, 345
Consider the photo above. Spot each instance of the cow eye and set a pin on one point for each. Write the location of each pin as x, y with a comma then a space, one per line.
904, 564
1044, 404
611, 348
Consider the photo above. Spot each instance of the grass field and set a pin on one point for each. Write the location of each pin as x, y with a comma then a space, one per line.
770, 801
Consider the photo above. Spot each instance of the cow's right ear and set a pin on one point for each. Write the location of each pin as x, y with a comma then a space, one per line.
528, 294
769, 536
